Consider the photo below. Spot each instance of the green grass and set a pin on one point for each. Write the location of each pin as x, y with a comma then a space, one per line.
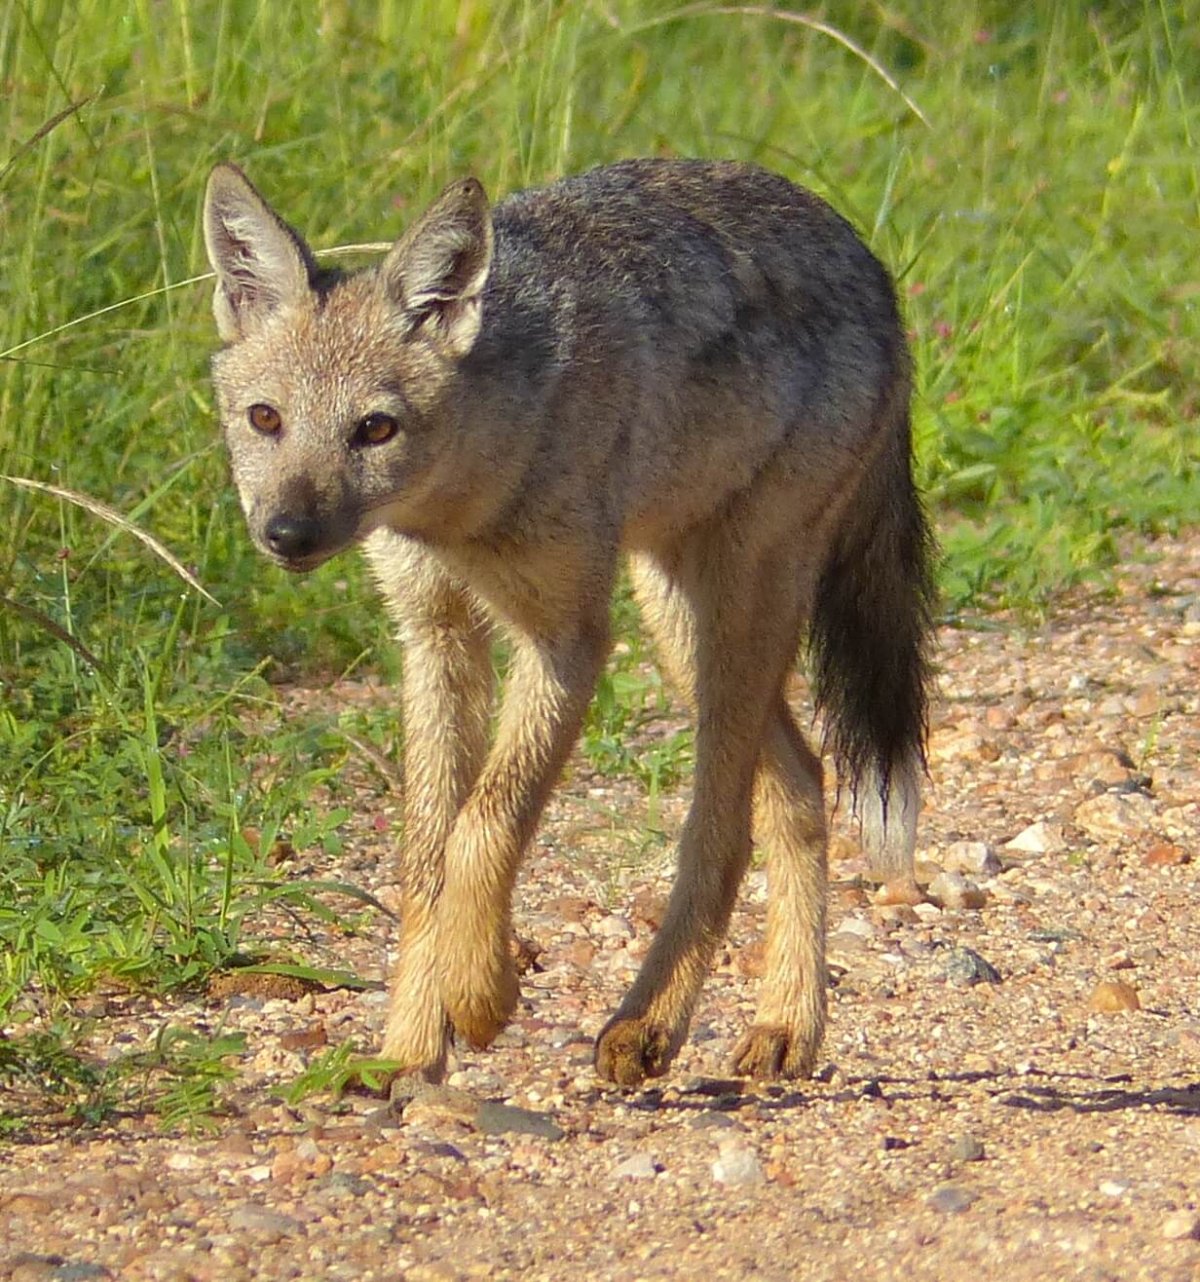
1042, 223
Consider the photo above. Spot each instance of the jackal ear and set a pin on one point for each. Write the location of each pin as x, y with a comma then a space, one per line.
261, 263
435, 273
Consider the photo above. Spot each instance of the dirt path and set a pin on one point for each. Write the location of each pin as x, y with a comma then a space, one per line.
988, 1107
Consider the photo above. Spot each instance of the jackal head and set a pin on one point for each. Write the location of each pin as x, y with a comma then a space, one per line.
337, 392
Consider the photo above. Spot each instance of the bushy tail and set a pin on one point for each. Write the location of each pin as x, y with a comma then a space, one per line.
870, 640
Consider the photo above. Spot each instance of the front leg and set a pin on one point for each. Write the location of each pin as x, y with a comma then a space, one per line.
550, 684
447, 695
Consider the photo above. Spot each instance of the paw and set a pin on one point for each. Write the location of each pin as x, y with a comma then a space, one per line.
773, 1050
480, 1008
418, 1054
630, 1050
417, 1033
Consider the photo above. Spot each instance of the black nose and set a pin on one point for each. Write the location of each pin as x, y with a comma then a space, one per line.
292, 537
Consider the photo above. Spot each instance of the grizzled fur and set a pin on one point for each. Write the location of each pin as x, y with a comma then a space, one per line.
697, 365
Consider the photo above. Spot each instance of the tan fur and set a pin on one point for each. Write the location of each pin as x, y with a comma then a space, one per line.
697, 364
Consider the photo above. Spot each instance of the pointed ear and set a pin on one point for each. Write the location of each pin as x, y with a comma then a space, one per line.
261, 263
435, 274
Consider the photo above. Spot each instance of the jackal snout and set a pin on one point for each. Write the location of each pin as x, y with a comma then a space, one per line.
298, 526
292, 537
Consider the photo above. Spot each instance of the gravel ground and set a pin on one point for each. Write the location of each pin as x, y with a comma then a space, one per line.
1009, 1086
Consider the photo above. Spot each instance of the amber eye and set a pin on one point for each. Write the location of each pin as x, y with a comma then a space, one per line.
265, 419
375, 429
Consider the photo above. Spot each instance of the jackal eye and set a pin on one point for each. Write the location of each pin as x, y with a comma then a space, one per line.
265, 419
375, 429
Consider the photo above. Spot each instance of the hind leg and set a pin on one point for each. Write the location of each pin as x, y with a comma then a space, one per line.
726, 623
790, 814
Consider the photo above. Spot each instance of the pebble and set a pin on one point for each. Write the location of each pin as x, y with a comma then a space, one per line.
505, 1119
714, 1119
185, 1161
641, 1166
27, 1205
1111, 996
847, 943
613, 927
1180, 1225
966, 1148
422, 1104
950, 1199
52, 1268
737, 1163
965, 966
263, 1222
953, 890
1165, 855
974, 858
1039, 838
1115, 815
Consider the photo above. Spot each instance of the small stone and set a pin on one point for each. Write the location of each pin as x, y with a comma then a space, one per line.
1111, 996
721, 1088
237, 1144
580, 952
737, 1163
950, 1199
649, 906
1039, 838
964, 966
953, 890
1115, 815
641, 1166
714, 1119
27, 1205
895, 914
304, 1039
974, 858
506, 1119
901, 893
265, 1224
1180, 1225
962, 743
846, 943
345, 1184
1165, 855
185, 1161
613, 927
421, 1103
28, 1267
966, 1148
31, 1268
1114, 1188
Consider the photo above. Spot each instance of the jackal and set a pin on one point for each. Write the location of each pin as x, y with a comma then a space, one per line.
695, 364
